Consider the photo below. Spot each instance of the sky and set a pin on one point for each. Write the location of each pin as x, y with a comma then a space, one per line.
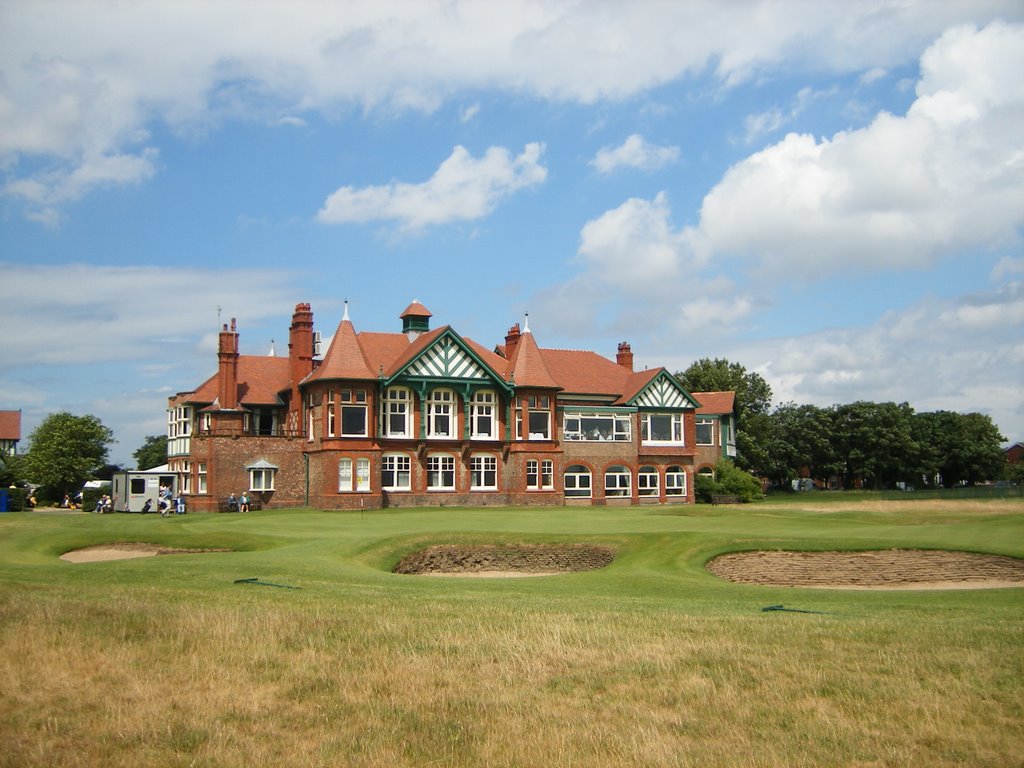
828, 193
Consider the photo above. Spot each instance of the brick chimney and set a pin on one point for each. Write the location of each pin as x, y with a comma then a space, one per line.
300, 344
624, 357
227, 358
512, 341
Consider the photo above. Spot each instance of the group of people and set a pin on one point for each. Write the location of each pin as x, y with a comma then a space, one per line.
238, 503
169, 503
104, 504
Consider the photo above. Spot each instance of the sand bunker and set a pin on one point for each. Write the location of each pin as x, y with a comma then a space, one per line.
889, 569
505, 561
125, 551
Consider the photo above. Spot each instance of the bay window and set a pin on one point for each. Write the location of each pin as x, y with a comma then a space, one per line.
441, 414
665, 428
353, 412
397, 408
483, 425
705, 431
597, 426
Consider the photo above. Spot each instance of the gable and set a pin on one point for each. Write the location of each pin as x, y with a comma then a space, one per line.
449, 358
663, 392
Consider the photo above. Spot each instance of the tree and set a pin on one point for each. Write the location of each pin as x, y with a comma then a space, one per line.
152, 453
753, 400
65, 450
874, 443
801, 437
961, 447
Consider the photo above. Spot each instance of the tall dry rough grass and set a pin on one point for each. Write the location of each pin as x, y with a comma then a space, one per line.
131, 679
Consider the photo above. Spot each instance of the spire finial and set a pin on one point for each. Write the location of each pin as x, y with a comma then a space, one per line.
526, 323
345, 317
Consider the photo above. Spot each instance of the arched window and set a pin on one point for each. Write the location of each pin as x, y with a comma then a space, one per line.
577, 482
647, 481
675, 481
617, 481
483, 425
396, 406
396, 472
440, 472
441, 414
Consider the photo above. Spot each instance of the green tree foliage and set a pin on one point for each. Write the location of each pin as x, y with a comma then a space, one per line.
874, 443
800, 438
753, 401
959, 447
152, 453
66, 450
728, 480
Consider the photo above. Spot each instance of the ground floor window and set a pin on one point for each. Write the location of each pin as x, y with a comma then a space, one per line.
201, 478
396, 472
540, 475
577, 482
675, 481
647, 481
617, 481
261, 479
483, 473
440, 473
361, 476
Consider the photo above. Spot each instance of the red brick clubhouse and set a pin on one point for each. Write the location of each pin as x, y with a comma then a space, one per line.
429, 418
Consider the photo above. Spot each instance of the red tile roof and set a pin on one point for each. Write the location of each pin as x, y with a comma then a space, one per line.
416, 310
344, 358
715, 402
260, 379
10, 425
528, 366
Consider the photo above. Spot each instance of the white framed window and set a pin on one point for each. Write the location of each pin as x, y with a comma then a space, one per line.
346, 477
261, 479
539, 417
353, 412
617, 482
663, 428
201, 486
577, 482
440, 472
483, 425
186, 477
332, 416
483, 472
647, 481
540, 475
675, 481
705, 430
204, 423
397, 409
396, 472
179, 421
441, 414
595, 427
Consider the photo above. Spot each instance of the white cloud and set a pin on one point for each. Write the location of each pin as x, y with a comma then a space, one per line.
873, 75
87, 79
466, 114
775, 118
900, 192
463, 188
634, 152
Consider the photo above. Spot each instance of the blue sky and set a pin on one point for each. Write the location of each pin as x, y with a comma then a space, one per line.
829, 193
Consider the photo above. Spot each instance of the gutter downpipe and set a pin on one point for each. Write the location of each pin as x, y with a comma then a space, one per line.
305, 458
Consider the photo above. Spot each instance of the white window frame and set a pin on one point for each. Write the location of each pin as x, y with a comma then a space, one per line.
483, 405
540, 475
441, 472
538, 406
618, 482
483, 472
572, 485
353, 475
677, 428
675, 481
262, 479
442, 404
201, 479
332, 416
362, 475
397, 404
344, 475
709, 423
597, 427
399, 465
353, 402
648, 481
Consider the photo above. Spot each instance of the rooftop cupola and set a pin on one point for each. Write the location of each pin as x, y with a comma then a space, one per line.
415, 320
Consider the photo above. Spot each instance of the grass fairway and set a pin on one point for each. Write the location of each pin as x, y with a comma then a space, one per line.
651, 661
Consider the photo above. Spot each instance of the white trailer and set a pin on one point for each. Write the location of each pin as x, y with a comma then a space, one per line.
132, 489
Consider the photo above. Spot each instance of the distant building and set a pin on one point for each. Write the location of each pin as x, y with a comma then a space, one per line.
428, 417
1015, 453
10, 432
